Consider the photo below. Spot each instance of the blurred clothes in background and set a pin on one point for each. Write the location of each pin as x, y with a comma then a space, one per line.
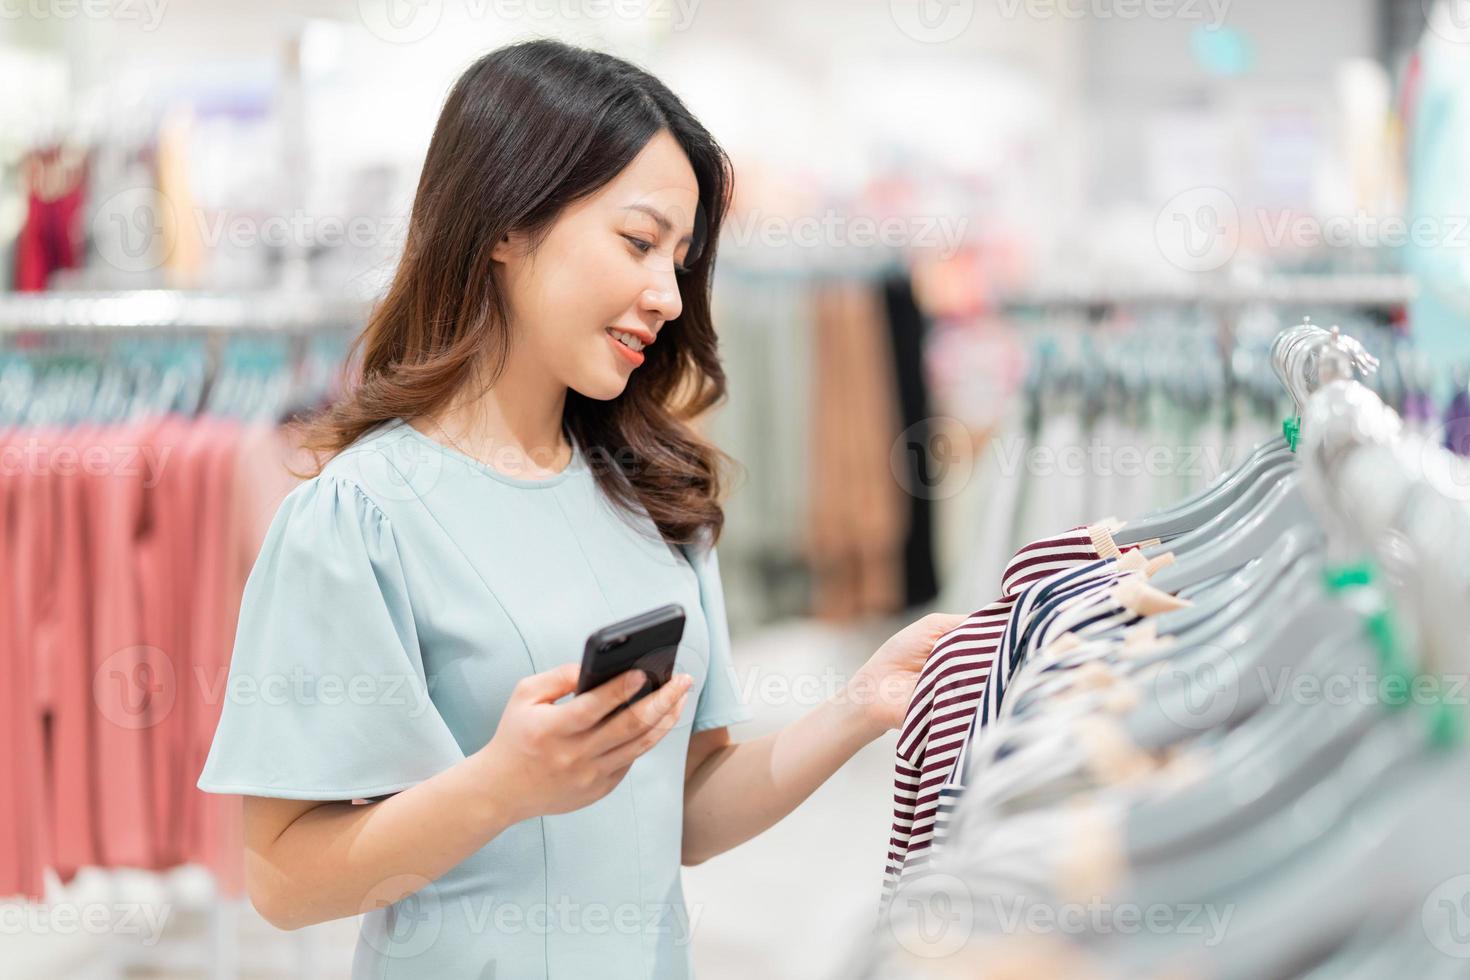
55, 180
129, 523
857, 518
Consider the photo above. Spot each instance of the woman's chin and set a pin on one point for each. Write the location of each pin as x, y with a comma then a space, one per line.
603, 388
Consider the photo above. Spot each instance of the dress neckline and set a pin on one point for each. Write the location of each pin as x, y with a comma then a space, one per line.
574, 465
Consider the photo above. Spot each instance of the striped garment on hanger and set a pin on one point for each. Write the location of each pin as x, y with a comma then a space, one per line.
1098, 598
951, 686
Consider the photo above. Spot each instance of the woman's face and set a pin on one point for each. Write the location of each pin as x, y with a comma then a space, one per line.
607, 264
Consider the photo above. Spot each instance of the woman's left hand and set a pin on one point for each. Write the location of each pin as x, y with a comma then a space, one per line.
885, 684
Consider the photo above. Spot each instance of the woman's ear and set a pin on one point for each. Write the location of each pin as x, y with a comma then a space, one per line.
511, 245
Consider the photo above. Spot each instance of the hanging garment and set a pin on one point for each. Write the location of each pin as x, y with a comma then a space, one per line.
51, 237
20, 764
1438, 158
170, 536
122, 668
1097, 598
857, 518
951, 686
71, 787
32, 561
128, 557
214, 834
766, 334
906, 329
128, 530
1457, 424
991, 500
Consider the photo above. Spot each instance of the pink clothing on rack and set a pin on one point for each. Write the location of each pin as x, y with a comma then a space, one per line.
30, 559
203, 685
126, 547
15, 875
217, 828
265, 463
123, 674
161, 594
72, 793
265, 468
184, 492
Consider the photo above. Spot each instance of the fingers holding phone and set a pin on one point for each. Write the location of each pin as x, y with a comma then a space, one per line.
552, 755
547, 757
625, 735
590, 708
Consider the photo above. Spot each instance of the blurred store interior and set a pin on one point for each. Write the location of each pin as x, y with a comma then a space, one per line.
993, 269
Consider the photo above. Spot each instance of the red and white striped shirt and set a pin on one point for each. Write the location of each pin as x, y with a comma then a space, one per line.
952, 686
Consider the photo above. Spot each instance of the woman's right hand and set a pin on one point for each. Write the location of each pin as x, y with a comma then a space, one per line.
552, 758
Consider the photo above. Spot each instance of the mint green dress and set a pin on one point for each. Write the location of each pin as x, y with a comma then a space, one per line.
397, 599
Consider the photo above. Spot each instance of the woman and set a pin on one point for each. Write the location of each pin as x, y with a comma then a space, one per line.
513, 469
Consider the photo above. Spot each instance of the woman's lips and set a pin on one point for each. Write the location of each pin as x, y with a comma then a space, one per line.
628, 354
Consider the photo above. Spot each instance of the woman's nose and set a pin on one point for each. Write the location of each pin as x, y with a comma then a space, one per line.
664, 301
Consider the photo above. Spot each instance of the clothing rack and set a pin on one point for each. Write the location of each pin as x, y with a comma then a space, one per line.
217, 950
1089, 773
1372, 291
163, 309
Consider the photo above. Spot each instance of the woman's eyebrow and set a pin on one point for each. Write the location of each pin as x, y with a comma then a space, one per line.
664, 224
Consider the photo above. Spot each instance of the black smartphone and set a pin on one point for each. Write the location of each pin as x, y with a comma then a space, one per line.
648, 641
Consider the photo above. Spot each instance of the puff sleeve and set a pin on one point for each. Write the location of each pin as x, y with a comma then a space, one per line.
326, 697
719, 701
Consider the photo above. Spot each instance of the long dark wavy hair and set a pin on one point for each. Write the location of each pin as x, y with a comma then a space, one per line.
527, 130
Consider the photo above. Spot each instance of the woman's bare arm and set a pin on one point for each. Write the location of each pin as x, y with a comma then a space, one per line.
311, 861
359, 857
733, 791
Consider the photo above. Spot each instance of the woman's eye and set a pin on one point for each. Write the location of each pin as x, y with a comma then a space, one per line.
645, 247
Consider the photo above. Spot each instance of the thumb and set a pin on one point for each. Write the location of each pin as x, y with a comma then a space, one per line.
944, 622
551, 684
